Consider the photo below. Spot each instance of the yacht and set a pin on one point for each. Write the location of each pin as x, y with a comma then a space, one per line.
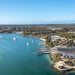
27, 44
14, 38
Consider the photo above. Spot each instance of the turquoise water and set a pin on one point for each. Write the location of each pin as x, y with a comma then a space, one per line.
16, 58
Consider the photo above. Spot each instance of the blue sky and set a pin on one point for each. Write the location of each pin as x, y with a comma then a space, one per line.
37, 11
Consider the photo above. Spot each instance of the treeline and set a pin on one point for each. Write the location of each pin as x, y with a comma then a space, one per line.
67, 35
38, 29
49, 42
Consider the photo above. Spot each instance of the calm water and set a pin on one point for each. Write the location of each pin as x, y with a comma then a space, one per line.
16, 58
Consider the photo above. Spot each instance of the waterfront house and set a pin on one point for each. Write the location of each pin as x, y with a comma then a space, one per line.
55, 38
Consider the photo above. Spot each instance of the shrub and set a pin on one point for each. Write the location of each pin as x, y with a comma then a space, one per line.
69, 63
61, 67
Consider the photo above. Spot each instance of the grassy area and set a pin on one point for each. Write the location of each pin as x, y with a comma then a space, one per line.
56, 57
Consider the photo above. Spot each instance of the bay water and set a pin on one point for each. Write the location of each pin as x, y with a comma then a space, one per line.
16, 58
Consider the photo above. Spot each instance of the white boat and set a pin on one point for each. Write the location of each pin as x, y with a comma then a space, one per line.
27, 44
14, 38
32, 41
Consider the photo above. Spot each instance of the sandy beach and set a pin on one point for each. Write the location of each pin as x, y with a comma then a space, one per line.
43, 39
66, 67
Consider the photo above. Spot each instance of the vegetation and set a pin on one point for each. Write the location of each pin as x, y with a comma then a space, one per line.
49, 41
74, 63
42, 30
69, 63
67, 35
56, 57
61, 67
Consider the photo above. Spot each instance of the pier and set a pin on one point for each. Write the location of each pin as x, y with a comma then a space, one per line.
43, 51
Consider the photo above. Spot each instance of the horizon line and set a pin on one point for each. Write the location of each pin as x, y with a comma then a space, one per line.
38, 24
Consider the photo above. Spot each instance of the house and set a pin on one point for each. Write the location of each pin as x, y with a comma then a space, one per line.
55, 38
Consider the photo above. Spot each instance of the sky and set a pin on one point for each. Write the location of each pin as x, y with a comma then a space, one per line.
37, 11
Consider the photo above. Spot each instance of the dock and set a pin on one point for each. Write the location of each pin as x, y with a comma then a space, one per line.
43, 51
49, 50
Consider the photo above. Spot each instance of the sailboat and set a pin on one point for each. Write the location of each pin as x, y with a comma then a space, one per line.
27, 44
14, 38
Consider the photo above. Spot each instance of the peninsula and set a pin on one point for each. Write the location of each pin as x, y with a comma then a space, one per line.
60, 43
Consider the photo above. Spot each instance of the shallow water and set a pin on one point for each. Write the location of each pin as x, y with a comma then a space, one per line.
16, 58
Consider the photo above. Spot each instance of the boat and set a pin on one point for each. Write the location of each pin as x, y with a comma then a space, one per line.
14, 38
27, 44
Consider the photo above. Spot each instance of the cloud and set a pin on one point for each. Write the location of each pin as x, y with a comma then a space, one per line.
71, 18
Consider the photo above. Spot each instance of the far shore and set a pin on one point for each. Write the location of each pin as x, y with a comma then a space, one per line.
20, 32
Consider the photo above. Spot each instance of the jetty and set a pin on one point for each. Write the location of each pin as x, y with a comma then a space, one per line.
69, 51
47, 50
43, 51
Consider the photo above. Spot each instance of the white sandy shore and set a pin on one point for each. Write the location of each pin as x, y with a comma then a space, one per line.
67, 67
43, 39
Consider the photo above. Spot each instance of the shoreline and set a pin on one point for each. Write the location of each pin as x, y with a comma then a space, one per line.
69, 68
44, 40
55, 64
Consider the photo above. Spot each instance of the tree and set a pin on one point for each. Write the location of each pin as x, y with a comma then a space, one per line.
48, 39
